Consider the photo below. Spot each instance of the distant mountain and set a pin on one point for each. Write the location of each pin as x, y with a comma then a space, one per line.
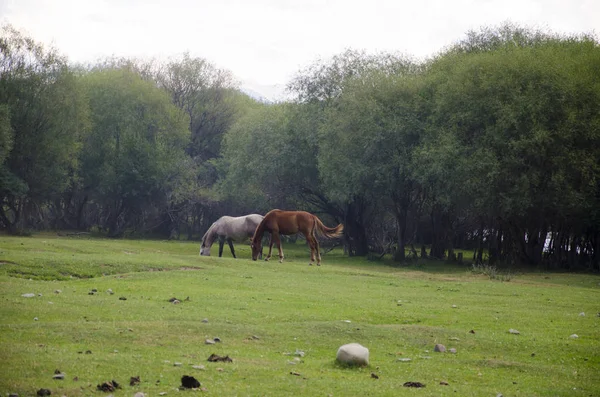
266, 93
256, 95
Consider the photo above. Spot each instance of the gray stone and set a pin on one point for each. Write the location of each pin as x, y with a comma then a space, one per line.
139, 394
59, 376
28, 295
439, 348
514, 331
353, 354
452, 350
404, 360
209, 342
200, 367
204, 320
574, 336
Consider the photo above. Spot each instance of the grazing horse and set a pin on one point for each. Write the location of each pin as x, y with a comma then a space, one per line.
228, 228
279, 222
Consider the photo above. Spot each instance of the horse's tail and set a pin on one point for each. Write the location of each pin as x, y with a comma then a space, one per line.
329, 232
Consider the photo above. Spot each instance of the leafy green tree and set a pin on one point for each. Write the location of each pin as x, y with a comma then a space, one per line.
134, 155
516, 109
47, 115
368, 143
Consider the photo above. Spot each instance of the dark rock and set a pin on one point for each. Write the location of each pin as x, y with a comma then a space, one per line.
134, 380
374, 375
122, 298
444, 383
44, 392
471, 331
413, 384
439, 348
189, 382
215, 358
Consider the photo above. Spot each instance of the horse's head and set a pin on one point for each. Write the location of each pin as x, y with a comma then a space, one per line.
204, 250
256, 249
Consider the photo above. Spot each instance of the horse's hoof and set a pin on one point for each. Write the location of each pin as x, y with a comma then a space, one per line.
267, 259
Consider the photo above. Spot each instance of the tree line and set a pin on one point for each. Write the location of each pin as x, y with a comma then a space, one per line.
491, 145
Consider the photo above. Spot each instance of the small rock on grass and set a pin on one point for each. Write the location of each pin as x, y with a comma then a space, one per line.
44, 392
452, 350
29, 295
439, 348
209, 342
353, 354
139, 394
514, 331
59, 376
574, 336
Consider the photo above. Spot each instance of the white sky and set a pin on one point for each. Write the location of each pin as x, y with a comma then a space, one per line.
265, 42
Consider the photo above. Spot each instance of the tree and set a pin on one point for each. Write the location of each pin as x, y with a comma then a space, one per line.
517, 113
47, 114
134, 155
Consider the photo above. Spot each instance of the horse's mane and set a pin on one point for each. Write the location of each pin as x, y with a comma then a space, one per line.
208, 233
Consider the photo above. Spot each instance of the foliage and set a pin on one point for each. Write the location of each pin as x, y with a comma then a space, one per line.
47, 114
136, 146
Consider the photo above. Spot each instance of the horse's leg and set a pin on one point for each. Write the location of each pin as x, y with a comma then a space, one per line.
221, 243
270, 247
230, 242
275, 236
311, 244
317, 248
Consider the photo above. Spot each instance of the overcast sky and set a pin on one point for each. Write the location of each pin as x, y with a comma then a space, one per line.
265, 42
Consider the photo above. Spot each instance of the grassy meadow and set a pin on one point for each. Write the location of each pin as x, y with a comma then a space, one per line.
282, 323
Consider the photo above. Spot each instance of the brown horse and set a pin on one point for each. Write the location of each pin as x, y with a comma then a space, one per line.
279, 222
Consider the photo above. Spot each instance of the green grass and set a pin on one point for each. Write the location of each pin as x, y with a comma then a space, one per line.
397, 312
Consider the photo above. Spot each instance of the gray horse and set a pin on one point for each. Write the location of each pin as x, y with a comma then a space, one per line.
228, 228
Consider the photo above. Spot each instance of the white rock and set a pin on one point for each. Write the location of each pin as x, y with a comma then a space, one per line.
514, 331
353, 354
404, 360
574, 336
582, 314
30, 295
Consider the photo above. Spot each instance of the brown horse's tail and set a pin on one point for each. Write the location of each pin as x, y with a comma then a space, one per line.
329, 232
